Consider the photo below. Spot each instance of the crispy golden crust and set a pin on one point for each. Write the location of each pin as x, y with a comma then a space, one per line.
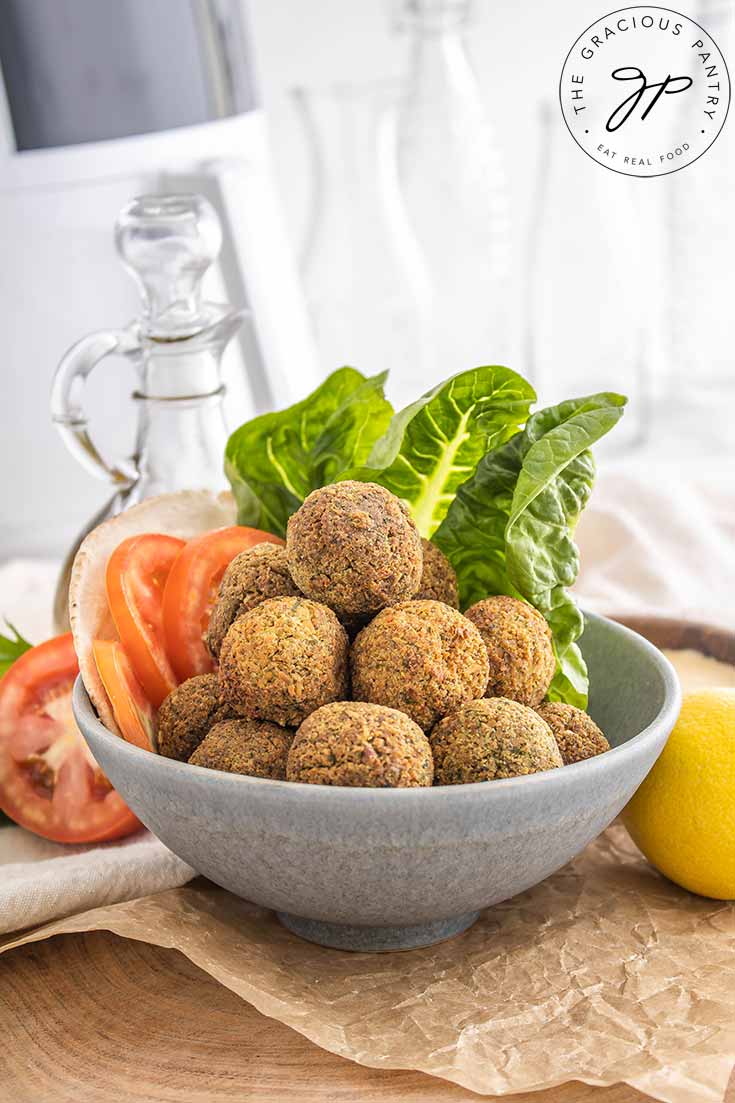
354, 547
491, 738
258, 573
421, 657
283, 659
518, 642
351, 743
188, 713
252, 747
438, 580
577, 735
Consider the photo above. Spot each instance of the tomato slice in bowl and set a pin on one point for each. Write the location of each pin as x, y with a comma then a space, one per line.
191, 590
136, 575
132, 710
49, 781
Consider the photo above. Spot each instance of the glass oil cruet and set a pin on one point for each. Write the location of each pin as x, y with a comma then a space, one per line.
167, 243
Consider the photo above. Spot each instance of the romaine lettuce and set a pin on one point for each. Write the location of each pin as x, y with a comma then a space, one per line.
510, 527
434, 445
501, 502
276, 459
11, 648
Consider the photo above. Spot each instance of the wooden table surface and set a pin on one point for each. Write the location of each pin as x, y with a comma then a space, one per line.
95, 1017
92, 1017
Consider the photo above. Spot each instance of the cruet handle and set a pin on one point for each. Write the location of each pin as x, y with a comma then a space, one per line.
67, 411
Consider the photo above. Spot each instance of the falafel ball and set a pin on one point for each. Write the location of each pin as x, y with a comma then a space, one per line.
577, 735
353, 743
252, 747
283, 659
188, 713
354, 547
421, 657
254, 575
518, 642
492, 738
438, 580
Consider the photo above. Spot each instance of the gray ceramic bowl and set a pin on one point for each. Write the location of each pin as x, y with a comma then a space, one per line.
391, 869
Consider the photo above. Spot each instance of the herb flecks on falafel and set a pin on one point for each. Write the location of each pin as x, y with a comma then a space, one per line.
519, 648
489, 739
577, 735
354, 547
253, 747
438, 578
258, 573
188, 713
283, 659
421, 657
357, 744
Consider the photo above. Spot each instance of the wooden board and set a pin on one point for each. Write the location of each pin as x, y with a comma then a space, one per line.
677, 635
87, 1018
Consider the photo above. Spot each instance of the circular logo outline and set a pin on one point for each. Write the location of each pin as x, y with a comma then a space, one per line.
622, 172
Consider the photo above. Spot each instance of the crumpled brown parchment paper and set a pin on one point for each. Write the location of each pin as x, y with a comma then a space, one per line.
603, 973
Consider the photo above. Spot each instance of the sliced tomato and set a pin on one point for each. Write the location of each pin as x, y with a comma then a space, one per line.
136, 575
132, 710
191, 591
49, 781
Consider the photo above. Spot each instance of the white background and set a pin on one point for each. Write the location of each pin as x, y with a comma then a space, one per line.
518, 49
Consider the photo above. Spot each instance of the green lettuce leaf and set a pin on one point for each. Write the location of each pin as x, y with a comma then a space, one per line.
510, 529
434, 445
11, 648
274, 461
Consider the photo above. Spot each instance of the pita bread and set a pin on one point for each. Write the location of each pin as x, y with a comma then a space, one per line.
185, 514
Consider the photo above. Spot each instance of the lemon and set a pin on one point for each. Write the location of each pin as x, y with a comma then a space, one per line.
683, 815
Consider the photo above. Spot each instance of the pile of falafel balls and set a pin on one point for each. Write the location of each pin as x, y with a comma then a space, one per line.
343, 660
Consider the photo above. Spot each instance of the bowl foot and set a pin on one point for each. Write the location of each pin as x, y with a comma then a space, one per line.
376, 940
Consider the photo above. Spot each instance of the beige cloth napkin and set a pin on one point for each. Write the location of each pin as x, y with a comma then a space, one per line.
40, 880
658, 539
655, 538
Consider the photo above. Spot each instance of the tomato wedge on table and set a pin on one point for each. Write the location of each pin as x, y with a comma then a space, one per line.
49, 781
133, 712
191, 591
136, 575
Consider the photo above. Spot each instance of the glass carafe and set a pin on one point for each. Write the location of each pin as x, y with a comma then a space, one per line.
167, 243
700, 235
450, 184
587, 320
361, 305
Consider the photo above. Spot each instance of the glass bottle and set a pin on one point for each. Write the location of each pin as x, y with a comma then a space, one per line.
587, 307
167, 243
360, 304
451, 187
700, 239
